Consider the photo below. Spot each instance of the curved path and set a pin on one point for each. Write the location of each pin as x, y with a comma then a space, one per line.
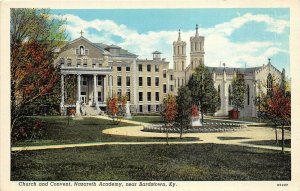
240, 137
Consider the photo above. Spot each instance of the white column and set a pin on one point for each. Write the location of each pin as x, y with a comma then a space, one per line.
62, 94
78, 95
95, 90
102, 89
110, 85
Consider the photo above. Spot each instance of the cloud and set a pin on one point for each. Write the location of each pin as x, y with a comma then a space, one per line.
218, 45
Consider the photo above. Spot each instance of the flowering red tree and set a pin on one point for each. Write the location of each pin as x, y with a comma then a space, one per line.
277, 108
195, 111
34, 36
169, 111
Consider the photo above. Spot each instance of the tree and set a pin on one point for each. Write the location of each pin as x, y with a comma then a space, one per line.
169, 111
112, 106
184, 103
34, 36
277, 108
238, 91
202, 89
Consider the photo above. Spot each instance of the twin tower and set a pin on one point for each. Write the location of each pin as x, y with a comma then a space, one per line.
183, 71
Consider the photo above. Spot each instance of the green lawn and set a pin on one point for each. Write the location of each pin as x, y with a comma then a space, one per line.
148, 119
199, 162
87, 130
287, 143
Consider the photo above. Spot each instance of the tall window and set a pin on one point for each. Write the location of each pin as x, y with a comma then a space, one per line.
269, 84
78, 61
119, 68
165, 88
141, 108
171, 88
182, 65
94, 61
229, 95
140, 81
85, 62
140, 96
156, 81
219, 93
171, 77
99, 80
164, 74
119, 79
156, 68
119, 93
69, 62
248, 95
128, 94
148, 68
127, 68
149, 108
127, 80
86, 52
140, 67
84, 80
148, 96
148, 81
156, 96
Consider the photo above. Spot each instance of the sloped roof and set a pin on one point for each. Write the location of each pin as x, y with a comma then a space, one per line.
231, 70
123, 52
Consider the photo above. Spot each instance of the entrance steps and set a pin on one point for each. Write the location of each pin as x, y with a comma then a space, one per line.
90, 110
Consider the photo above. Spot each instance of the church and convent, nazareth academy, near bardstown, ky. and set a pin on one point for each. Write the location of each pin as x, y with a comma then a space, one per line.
100, 71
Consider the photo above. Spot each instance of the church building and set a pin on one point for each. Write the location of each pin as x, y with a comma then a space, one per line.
100, 71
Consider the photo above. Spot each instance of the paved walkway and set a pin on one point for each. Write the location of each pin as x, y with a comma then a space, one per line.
240, 137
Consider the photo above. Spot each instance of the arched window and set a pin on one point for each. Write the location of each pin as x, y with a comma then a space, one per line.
269, 84
248, 95
81, 50
229, 95
219, 93
178, 49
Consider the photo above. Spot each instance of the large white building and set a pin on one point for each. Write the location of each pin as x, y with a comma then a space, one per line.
102, 70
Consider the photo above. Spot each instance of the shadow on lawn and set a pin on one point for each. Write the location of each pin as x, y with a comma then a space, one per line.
232, 138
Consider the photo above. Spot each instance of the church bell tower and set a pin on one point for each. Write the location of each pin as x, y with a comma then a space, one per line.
179, 54
197, 50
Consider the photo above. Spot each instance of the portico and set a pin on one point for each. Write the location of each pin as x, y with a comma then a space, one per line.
93, 86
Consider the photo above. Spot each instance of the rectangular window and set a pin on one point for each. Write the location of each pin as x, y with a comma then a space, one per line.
157, 108
164, 74
156, 81
69, 62
62, 61
140, 81
127, 68
94, 61
148, 96
128, 94
140, 96
99, 97
149, 108
171, 77
140, 67
165, 88
156, 68
148, 68
84, 80
99, 80
86, 52
78, 61
119, 79
119, 93
100, 62
85, 62
119, 68
171, 88
148, 81
140, 108
156, 96
77, 51
127, 80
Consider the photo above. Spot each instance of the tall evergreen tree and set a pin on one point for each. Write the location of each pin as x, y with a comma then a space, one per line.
238, 91
203, 92
184, 105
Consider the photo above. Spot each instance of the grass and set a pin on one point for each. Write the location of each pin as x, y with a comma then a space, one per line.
232, 138
195, 162
148, 119
87, 130
287, 143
